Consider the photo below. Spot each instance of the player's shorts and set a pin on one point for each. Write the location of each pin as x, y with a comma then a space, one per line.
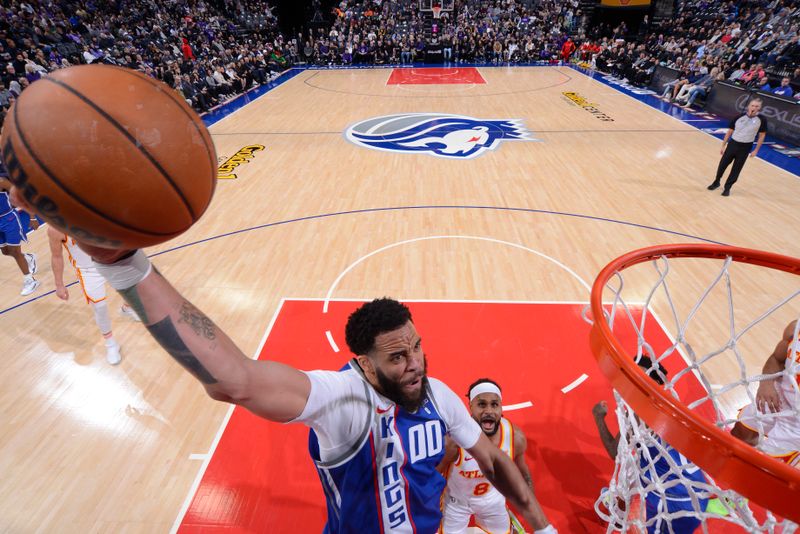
491, 514
780, 432
25, 221
11, 232
92, 284
667, 524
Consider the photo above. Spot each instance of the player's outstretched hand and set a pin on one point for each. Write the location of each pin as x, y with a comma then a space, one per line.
767, 398
600, 409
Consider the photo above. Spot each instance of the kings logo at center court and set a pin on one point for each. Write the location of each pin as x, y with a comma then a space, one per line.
436, 134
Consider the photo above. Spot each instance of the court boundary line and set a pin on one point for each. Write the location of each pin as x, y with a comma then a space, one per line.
537, 211
555, 69
223, 425
208, 456
566, 389
682, 130
620, 91
357, 262
223, 111
575, 383
274, 84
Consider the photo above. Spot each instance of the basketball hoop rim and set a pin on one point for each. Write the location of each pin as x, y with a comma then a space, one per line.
767, 481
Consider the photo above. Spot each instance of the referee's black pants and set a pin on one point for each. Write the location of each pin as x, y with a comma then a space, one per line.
737, 153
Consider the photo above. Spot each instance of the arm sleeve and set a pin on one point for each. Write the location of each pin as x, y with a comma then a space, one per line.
338, 408
732, 124
763, 127
460, 425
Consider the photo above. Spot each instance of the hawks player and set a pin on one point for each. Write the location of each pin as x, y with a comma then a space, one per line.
92, 283
775, 416
468, 491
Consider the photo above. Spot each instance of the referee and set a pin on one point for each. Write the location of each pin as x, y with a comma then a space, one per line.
738, 141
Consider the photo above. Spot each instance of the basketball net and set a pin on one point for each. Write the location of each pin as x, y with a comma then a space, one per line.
437, 11
654, 487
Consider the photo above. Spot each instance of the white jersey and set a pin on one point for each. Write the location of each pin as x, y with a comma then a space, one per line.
780, 434
793, 359
77, 257
376, 460
92, 282
465, 481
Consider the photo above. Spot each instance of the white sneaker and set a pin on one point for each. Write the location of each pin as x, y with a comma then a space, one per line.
31, 259
113, 355
29, 286
127, 310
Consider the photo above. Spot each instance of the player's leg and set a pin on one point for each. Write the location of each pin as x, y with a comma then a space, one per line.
491, 515
751, 425
455, 516
94, 289
11, 238
748, 435
26, 264
15, 253
783, 439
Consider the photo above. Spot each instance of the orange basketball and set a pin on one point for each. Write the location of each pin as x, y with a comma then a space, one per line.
109, 156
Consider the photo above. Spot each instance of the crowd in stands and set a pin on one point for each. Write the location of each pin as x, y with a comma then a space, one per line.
750, 42
491, 31
211, 50
753, 43
207, 50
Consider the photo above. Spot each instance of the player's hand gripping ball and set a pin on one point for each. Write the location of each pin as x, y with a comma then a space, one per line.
110, 156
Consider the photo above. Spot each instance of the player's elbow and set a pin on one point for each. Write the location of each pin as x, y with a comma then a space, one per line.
219, 393
227, 393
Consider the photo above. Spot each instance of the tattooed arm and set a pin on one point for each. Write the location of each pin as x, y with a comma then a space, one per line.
269, 389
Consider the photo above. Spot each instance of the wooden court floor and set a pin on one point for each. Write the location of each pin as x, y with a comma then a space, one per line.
86, 447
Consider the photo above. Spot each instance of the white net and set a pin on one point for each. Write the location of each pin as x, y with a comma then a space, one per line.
709, 354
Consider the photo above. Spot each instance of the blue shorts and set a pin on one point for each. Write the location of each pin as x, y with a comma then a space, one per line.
682, 525
25, 221
11, 231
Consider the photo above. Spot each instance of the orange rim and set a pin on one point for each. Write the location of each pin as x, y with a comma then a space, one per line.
732, 463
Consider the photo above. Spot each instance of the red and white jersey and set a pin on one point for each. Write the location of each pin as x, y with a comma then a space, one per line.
77, 257
465, 481
793, 357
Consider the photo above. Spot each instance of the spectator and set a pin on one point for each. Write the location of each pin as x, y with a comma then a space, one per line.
754, 75
181, 39
784, 89
702, 87
186, 50
738, 73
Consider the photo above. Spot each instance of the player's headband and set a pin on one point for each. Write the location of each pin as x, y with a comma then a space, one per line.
484, 387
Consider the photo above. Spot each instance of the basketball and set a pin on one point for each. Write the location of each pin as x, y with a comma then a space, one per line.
109, 156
